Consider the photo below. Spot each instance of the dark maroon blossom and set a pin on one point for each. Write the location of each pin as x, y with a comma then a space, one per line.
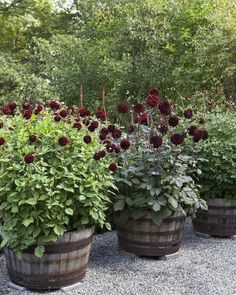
173, 121
87, 139
152, 100
191, 129
57, 118
94, 124
6, 110
198, 135
163, 128
29, 158
32, 138
156, 140
12, 106
165, 108
177, 138
104, 131
131, 129
27, 114
63, 113
101, 114
116, 133
138, 108
112, 167
83, 112
201, 121
2, 140
63, 140
154, 91
55, 105
26, 106
123, 108
102, 136
111, 128
143, 119
96, 156
77, 125
124, 144
39, 108
188, 113
102, 154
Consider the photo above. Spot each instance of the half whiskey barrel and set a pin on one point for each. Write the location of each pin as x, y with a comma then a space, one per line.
64, 263
219, 220
143, 237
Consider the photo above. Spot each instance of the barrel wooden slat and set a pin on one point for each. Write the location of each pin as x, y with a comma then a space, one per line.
219, 220
144, 238
54, 270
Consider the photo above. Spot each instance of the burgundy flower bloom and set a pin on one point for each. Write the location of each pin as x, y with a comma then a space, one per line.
201, 121
152, 100
116, 133
26, 106
96, 156
204, 134
12, 106
102, 154
6, 110
91, 129
117, 150
83, 112
111, 128
143, 119
131, 129
177, 138
77, 125
112, 167
63, 141
163, 128
138, 108
32, 138
165, 108
154, 91
39, 108
94, 124
27, 114
2, 140
55, 105
125, 144
156, 140
29, 158
188, 113
101, 114
63, 113
102, 136
123, 108
104, 131
191, 129
57, 118
173, 121
197, 135
1, 125
87, 139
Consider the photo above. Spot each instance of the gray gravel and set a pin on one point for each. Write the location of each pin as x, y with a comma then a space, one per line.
204, 267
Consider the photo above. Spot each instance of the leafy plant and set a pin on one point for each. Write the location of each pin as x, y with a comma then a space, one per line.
155, 178
54, 174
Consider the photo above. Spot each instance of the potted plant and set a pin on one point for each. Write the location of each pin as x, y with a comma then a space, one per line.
218, 178
156, 190
53, 191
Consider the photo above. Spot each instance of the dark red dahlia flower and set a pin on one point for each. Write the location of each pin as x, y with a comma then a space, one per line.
55, 105
131, 129
32, 138
197, 135
27, 114
112, 167
83, 112
104, 131
163, 128
63, 113
29, 158
12, 106
63, 141
57, 118
177, 138
152, 100
201, 121
2, 140
6, 110
116, 133
96, 156
111, 128
117, 150
102, 136
87, 139
26, 106
102, 154
191, 129
39, 108
165, 108
124, 144
138, 108
173, 121
91, 129
77, 125
154, 91
101, 114
94, 124
123, 108
143, 119
156, 140
188, 113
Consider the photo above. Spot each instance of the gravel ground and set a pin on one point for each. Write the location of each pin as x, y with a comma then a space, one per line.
204, 267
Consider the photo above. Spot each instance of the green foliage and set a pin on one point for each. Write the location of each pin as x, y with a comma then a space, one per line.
218, 178
63, 189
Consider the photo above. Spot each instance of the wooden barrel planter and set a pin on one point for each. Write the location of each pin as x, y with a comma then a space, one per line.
142, 237
64, 263
219, 220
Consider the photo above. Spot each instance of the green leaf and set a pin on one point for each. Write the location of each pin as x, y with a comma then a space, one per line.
59, 230
119, 205
28, 221
69, 211
39, 250
31, 201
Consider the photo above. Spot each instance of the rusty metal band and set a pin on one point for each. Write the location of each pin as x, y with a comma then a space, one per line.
63, 247
168, 219
143, 233
215, 215
148, 244
151, 252
47, 281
